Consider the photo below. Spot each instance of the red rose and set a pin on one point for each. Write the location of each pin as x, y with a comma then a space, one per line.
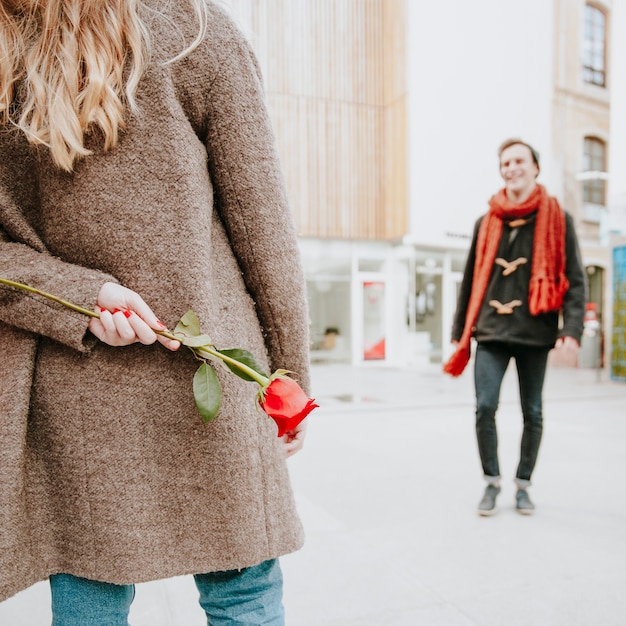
286, 403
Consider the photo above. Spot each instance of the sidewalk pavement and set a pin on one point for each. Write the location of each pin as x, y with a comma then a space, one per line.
387, 488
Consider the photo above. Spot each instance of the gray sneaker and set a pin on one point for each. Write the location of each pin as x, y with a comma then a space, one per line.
487, 505
523, 503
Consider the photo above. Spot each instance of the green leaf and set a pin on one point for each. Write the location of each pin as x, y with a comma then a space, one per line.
197, 342
207, 392
245, 357
189, 325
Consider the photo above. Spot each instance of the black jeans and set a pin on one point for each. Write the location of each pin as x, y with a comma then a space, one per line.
490, 364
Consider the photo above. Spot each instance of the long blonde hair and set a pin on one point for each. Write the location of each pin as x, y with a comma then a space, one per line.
78, 63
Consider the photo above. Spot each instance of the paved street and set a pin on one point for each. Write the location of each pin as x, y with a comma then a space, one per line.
388, 487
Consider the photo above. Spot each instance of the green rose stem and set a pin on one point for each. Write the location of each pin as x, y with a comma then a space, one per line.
202, 352
263, 381
65, 303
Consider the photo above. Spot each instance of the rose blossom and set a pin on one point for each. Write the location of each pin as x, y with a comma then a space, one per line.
286, 403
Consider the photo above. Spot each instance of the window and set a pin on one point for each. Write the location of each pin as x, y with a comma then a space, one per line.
594, 179
594, 161
594, 47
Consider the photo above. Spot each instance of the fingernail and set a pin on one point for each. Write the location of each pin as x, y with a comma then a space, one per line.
102, 309
128, 313
116, 311
161, 324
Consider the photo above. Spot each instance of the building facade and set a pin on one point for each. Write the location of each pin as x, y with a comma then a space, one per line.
388, 115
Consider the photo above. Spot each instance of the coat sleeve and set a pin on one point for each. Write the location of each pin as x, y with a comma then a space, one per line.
576, 296
466, 288
24, 259
251, 200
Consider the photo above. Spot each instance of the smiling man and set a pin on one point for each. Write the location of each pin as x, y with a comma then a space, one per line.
523, 293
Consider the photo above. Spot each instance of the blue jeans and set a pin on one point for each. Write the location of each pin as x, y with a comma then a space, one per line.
247, 597
491, 362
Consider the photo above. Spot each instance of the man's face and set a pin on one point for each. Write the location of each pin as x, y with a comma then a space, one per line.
519, 172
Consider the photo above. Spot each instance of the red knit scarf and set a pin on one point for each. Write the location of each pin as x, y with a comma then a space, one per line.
548, 282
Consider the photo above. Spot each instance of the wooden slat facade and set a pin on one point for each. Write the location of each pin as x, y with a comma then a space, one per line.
335, 79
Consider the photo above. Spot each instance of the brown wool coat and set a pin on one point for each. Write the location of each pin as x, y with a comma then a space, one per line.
106, 470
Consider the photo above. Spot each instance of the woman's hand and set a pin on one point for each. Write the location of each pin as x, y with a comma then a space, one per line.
125, 319
294, 439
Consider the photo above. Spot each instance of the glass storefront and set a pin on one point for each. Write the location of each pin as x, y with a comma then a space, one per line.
379, 303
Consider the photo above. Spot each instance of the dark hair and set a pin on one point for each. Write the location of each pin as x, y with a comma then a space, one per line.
515, 141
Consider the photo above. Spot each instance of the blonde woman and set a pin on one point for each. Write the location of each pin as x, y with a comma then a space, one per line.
138, 177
